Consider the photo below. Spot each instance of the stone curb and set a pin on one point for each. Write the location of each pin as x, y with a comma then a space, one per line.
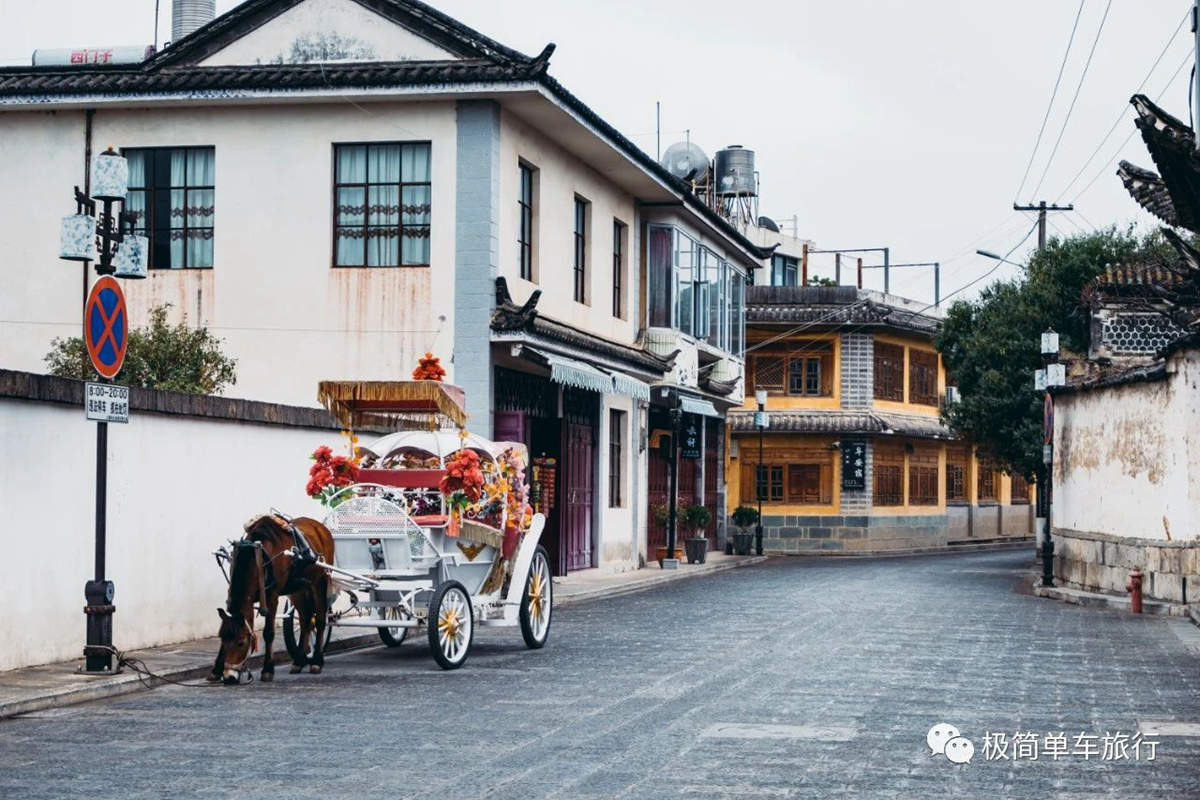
666, 577
128, 682
1109, 601
957, 547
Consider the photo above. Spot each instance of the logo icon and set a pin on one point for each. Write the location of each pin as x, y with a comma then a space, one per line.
946, 740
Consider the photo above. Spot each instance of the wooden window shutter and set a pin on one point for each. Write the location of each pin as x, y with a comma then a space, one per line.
827, 376
826, 484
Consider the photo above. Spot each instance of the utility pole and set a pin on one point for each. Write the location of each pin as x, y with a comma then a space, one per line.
1042, 208
1196, 84
1045, 476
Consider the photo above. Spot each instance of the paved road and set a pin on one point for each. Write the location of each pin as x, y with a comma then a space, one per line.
793, 678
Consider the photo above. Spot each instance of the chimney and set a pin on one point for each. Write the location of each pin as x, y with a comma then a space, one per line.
188, 15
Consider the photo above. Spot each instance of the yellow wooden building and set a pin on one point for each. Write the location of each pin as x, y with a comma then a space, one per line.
854, 455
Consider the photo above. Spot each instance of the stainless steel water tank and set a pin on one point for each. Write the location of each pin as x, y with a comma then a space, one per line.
734, 168
188, 15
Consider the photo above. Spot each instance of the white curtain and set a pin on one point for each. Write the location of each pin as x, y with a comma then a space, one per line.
415, 168
135, 201
352, 205
201, 206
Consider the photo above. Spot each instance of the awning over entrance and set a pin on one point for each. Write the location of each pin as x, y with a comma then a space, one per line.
570, 372
581, 375
692, 405
630, 387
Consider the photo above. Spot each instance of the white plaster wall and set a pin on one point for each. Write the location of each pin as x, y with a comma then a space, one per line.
1127, 458
616, 535
288, 318
178, 487
332, 30
560, 178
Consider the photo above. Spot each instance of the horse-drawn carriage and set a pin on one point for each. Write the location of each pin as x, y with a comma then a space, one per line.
435, 533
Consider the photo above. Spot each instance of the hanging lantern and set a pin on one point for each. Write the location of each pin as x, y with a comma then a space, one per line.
77, 238
133, 257
110, 176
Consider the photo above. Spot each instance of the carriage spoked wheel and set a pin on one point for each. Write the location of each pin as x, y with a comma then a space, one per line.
291, 636
392, 637
451, 625
537, 601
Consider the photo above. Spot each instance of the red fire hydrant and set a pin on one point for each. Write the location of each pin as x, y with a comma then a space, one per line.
1134, 587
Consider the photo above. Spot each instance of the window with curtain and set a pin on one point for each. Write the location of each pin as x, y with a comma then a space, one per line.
784, 271
172, 196
661, 278
804, 372
616, 436
618, 279
581, 221
770, 482
687, 268
737, 311
889, 372
382, 195
525, 233
922, 377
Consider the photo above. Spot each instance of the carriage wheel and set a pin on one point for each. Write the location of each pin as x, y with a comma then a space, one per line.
392, 637
451, 625
537, 601
291, 636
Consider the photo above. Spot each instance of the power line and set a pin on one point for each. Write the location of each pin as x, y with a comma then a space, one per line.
1071, 108
1125, 107
1186, 59
1050, 105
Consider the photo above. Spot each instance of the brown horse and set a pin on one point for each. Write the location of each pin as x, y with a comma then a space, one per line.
262, 569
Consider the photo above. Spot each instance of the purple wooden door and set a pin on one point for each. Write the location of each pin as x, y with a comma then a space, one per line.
577, 494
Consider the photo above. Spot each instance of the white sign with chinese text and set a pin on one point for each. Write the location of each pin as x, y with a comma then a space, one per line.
104, 402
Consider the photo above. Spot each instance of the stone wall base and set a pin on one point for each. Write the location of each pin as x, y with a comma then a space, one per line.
1099, 562
877, 532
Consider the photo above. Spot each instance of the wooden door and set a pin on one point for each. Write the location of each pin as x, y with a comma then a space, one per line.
577, 495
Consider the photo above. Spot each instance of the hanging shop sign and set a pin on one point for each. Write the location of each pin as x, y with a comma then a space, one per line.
690, 440
854, 465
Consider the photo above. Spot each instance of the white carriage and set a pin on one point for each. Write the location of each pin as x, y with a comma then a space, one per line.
406, 561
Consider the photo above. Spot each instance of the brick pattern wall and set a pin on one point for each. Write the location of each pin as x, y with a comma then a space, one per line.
477, 255
1099, 562
853, 533
858, 370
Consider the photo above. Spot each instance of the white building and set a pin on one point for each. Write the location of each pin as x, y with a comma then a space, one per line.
334, 187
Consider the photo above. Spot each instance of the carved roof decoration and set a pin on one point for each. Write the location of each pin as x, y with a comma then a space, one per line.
508, 317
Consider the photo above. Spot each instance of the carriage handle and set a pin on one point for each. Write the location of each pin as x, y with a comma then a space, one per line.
344, 573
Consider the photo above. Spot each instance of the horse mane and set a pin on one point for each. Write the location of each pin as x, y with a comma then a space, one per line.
240, 575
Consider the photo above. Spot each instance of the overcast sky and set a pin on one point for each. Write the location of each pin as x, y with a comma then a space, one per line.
875, 122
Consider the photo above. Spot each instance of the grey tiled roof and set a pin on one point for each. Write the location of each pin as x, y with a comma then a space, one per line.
833, 307
858, 422
1148, 189
137, 79
1172, 146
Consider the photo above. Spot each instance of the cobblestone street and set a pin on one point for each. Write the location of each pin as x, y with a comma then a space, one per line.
791, 678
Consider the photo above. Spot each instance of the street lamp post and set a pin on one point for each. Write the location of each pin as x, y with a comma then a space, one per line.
760, 422
670, 561
108, 240
1051, 375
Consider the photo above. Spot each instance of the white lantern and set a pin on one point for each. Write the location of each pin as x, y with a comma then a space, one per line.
77, 238
1050, 343
1039, 380
133, 257
110, 176
1056, 375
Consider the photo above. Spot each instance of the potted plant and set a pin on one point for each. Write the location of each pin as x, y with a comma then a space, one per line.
743, 518
696, 518
662, 516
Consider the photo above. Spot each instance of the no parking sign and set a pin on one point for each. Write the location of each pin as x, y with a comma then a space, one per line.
106, 327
